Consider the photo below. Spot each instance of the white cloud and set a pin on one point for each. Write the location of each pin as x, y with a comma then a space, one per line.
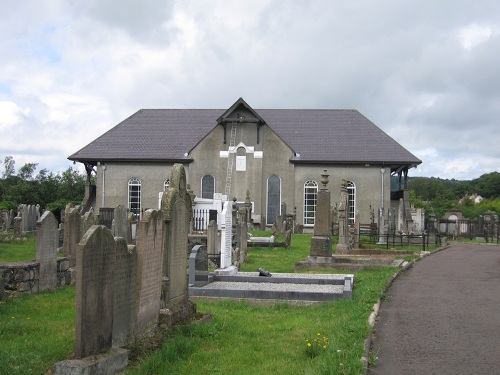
473, 35
10, 115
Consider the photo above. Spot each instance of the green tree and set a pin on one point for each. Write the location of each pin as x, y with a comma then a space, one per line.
8, 166
49, 190
26, 171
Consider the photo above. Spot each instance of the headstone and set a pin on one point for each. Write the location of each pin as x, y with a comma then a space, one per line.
226, 235
47, 239
288, 238
243, 240
149, 266
17, 225
177, 211
213, 248
321, 242
12, 215
72, 234
356, 231
96, 255
198, 266
131, 228
60, 233
87, 221
120, 219
125, 293
25, 216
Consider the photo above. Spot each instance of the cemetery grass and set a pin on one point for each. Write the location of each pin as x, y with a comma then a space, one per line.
36, 331
17, 250
248, 338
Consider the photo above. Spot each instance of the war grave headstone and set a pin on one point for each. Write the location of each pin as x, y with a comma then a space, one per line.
176, 206
47, 240
149, 244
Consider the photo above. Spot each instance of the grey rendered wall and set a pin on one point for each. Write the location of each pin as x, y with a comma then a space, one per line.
117, 175
275, 160
368, 181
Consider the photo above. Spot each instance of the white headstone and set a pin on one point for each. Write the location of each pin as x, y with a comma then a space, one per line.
226, 234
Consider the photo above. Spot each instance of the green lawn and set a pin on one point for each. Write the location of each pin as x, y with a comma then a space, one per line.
36, 331
242, 338
18, 250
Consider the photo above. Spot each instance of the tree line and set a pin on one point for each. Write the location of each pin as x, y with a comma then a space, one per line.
439, 195
52, 191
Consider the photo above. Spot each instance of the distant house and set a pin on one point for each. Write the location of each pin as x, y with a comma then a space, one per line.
277, 155
476, 198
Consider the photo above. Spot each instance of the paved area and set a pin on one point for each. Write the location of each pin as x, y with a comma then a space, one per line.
442, 316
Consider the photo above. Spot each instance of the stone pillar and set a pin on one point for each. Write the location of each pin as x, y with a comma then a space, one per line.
343, 244
321, 242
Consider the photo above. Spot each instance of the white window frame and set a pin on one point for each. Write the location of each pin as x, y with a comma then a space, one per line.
351, 197
310, 187
134, 195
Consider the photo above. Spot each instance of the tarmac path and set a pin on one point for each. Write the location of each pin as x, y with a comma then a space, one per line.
442, 316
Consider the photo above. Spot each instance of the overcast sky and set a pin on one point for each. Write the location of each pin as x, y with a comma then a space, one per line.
426, 72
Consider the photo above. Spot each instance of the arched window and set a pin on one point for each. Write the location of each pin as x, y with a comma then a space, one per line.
207, 186
351, 198
134, 195
273, 198
310, 200
166, 184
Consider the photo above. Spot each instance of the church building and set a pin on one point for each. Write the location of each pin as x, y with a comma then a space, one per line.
276, 156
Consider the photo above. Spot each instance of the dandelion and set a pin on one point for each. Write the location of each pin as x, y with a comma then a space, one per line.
316, 345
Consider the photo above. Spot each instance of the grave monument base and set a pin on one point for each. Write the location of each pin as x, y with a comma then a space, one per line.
177, 313
110, 362
321, 246
342, 249
228, 271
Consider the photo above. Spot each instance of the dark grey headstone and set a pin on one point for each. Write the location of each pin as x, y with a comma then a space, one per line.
149, 266
95, 280
125, 293
47, 240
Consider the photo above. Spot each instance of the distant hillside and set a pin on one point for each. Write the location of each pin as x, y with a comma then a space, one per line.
428, 188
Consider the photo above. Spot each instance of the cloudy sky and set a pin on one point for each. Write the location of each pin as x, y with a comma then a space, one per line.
426, 72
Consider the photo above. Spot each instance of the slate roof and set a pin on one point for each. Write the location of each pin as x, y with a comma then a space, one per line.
331, 136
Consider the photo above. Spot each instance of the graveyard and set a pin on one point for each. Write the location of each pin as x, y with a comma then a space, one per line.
148, 295
273, 336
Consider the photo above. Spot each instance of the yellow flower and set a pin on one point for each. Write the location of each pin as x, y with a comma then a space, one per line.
308, 344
